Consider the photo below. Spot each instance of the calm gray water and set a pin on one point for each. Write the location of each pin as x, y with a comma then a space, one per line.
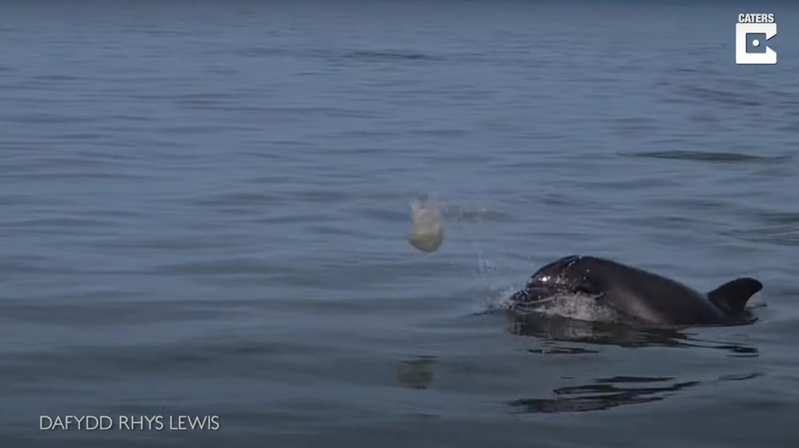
205, 212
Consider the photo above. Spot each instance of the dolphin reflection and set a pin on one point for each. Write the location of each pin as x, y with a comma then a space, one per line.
606, 393
556, 330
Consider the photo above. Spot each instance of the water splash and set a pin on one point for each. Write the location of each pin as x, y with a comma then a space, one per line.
571, 306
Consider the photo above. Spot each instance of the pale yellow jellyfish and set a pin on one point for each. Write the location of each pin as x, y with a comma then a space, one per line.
428, 226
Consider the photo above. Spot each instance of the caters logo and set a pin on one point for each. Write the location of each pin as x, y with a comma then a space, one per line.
752, 33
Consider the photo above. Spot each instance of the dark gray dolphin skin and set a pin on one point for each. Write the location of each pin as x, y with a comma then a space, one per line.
642, 296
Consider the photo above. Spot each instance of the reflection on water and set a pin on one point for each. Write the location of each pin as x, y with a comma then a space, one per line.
604, 393
609, 392
706, 156
554, 330
416, 373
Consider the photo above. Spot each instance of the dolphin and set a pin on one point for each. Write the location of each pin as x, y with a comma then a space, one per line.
636, 295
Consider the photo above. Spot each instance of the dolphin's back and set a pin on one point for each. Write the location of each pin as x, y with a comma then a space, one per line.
649, 297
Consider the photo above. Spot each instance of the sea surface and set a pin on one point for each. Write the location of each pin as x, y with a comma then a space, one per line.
205, 211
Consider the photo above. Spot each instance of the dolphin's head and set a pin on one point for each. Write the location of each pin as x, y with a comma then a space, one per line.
564, 276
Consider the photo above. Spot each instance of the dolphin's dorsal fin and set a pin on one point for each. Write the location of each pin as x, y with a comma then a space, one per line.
731, 297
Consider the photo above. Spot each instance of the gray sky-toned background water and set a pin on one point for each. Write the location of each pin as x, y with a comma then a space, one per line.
204, 212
